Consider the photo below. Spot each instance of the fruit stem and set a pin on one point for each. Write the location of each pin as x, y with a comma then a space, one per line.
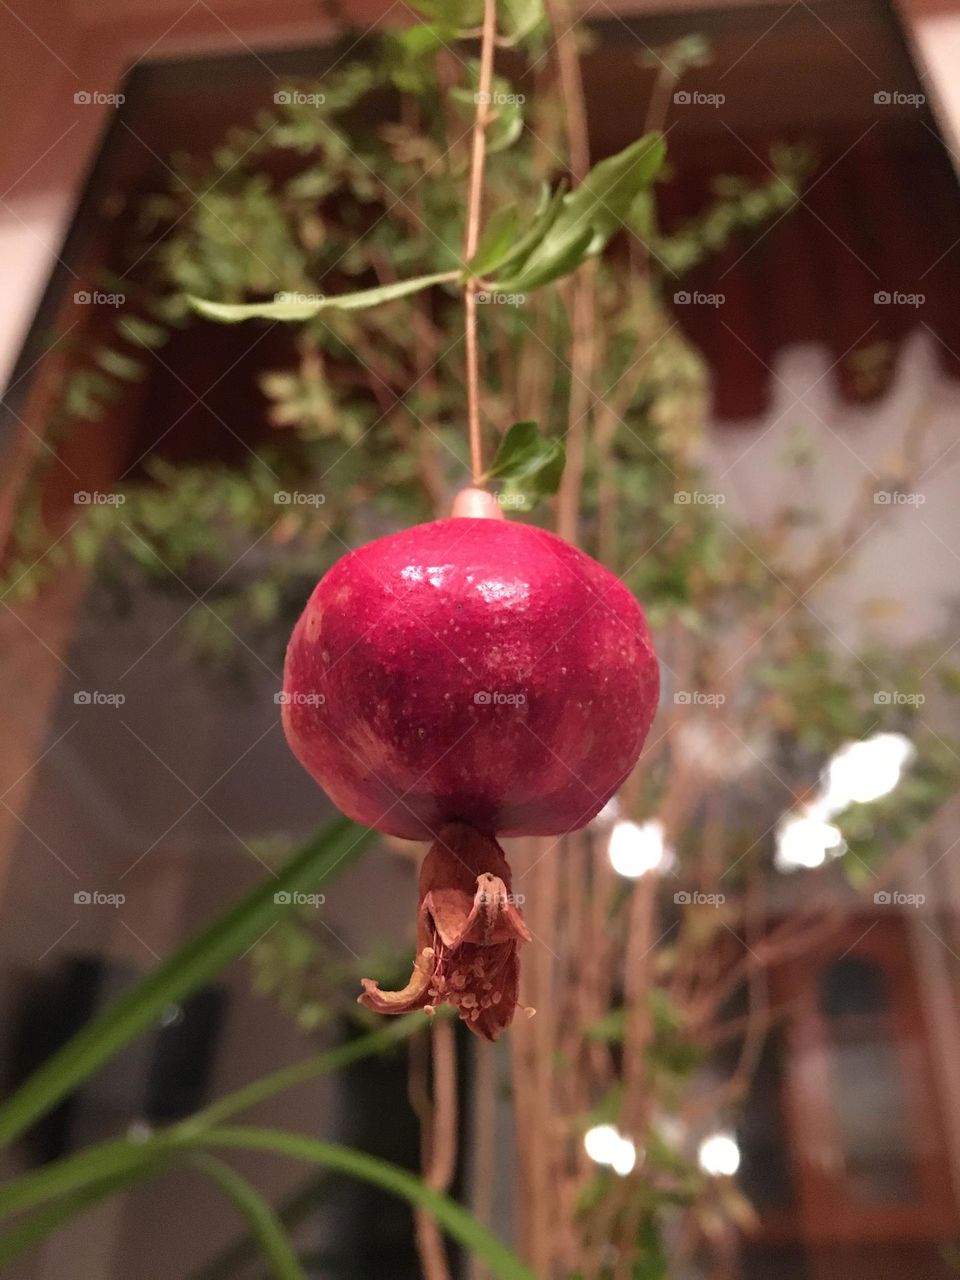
472, 234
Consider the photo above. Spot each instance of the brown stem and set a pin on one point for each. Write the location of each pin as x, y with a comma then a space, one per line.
472, 235
438, 1147
583, 285
484, 1143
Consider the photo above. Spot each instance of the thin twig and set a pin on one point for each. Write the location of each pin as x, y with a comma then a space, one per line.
582, 287
472, 235
438, 1145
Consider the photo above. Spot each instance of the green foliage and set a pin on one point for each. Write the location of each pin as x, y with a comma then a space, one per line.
337, 846
287, 308
528, 465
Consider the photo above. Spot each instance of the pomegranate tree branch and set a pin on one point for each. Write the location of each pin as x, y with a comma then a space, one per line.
472, 236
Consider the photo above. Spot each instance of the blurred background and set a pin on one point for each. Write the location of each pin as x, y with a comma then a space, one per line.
747, 971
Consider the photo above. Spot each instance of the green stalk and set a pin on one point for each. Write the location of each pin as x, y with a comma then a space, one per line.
230, 935
264, 1224
452, 1217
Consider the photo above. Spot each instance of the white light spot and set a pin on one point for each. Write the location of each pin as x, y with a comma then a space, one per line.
604, 1145
863, 771
804, 841
635, 849
719, 1155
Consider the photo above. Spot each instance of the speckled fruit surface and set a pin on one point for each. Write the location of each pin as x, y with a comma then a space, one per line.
469, 670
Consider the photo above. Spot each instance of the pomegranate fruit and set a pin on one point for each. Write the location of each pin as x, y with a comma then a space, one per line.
462, 680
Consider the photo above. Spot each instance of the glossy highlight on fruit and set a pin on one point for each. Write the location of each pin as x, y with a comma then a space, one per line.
477, 671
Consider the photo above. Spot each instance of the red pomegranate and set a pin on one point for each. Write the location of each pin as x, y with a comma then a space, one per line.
475, 672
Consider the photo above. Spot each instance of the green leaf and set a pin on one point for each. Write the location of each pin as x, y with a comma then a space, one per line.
497, 241
120, 366
232, 933
143, 333
458, 14
116, 1160
34, 1229
591, 214
122, 1158
547, 213
521, 18
412, 52
393, 1032
505, 112
292, 310
261, 1219
570, 254
530, 465
452, 1217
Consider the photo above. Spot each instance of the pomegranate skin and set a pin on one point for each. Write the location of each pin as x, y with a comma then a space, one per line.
469, 670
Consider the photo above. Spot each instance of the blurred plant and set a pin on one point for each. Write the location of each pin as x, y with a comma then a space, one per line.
616, 1076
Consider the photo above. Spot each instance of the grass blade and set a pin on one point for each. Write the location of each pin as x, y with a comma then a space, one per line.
189, 967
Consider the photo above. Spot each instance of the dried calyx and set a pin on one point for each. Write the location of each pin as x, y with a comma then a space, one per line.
469, 929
